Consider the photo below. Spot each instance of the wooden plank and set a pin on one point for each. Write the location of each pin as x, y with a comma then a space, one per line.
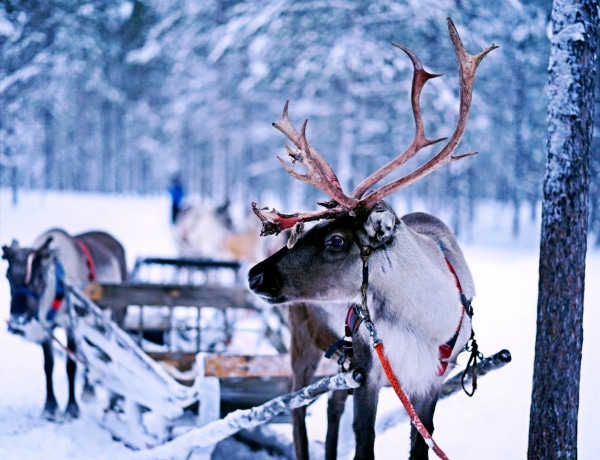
241, 366
179, 360
227, 366
205, 266
197, 263
170, 295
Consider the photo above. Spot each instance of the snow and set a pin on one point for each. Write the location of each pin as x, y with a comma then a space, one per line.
492, 425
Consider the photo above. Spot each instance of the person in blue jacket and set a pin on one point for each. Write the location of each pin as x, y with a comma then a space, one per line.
177, 194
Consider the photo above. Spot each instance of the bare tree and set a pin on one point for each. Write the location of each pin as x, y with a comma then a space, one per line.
555, 396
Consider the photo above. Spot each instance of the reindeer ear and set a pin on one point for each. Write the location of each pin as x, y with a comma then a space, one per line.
380, 226
9, 251
44, 250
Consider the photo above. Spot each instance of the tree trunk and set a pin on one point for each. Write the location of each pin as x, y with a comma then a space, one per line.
517, 183
120, 149
50, 170
555, 396
107, 155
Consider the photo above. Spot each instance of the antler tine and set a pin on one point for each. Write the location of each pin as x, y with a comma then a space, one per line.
319, 173
274, 222
467, 66
420, 77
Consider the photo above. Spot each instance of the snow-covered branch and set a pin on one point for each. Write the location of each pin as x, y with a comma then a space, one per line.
208, 435
21, 75
455, 383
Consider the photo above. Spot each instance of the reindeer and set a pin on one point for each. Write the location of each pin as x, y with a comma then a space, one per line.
202, 230
38, 275
405, 278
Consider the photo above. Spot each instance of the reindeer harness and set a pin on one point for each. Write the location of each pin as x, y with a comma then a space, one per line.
59, 291
60, 280
359, 314
88, 260
356, 314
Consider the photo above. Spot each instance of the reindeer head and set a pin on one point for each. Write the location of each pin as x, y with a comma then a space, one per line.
26, 274
330, 249
356, 220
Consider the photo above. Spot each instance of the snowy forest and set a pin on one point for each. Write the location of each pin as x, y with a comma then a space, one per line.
119, 96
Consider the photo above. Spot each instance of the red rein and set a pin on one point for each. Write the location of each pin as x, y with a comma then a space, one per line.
414, 418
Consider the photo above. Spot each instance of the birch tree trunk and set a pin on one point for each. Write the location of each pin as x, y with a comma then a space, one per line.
555, 395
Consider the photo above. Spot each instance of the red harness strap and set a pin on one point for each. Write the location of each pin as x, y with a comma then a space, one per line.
446, 349
353, 321
451, 268
88, 260
445, 352
57, 302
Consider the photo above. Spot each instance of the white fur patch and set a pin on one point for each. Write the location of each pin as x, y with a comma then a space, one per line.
380, 224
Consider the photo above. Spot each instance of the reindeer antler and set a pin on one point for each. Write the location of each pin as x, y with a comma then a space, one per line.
321, 175
319, 172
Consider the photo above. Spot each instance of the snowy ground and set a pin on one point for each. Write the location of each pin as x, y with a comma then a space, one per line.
491, 425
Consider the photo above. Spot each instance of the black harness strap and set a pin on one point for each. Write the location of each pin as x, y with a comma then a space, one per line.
353, 321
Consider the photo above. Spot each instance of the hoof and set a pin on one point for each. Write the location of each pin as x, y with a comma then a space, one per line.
72, 412
88, 394
50, 412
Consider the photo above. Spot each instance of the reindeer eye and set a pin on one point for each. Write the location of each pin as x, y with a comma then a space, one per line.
336, 242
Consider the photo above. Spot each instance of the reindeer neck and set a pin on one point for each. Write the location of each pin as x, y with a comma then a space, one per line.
399, 293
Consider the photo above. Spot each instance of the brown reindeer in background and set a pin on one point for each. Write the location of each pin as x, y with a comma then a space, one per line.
417, 285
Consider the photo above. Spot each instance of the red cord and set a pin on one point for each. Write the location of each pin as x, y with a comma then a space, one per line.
414, 418
89, 261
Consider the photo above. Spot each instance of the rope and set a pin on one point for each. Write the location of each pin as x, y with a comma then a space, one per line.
68, 351
410, 410
64, 348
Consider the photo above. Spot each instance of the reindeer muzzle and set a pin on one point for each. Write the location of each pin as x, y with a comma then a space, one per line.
264, 284
17, 323
23, 304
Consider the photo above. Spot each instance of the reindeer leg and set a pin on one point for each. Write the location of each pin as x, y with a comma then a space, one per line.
335, 409
365, 409
72, 410
305, 357
51, 406
365, 403
88, 393
425, 408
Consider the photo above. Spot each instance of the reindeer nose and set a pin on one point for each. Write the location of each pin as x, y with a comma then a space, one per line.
264, 280
255, 279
